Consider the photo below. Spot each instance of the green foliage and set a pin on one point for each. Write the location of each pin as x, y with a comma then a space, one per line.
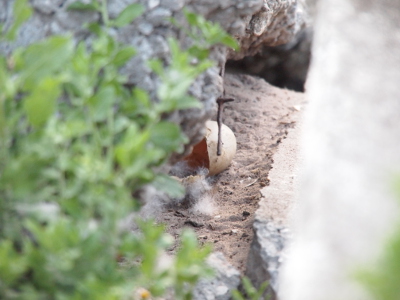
129, 13
210, 33
250, 292
76, 143
94, 5
22, 12
383, 278
205, 35
177, 79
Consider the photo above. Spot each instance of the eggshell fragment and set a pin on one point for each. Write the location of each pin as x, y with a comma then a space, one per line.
204, 154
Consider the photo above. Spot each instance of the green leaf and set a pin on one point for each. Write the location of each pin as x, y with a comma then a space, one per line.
12, 263
167, 135
73, 128
101, 104
95, 28
142, 97
192, 18
199, 52
188, 102
3, 78
44, 59
22, 12
250, 291
172, 187
78, 5
170, 103
210, 33
123, 55
156, 65
128, 15
80, 60
261, 290
40, 105
237, 295
132, 145
248, 287
230, 42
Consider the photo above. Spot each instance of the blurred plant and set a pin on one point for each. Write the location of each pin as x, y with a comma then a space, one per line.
204, 34
250, 292
382, 278
75, 144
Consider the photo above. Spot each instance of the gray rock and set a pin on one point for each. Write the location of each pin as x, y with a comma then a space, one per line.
207, 6
219, 288
146, 50
265, 254
116, 7
74, 20
145, 28
284, 66
159, 45
47, 6
36, 29
159, 16
5, 11
271, 235
173, 5
275, 22
153, 3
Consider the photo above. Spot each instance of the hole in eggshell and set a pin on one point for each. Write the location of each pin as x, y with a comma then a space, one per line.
199, 156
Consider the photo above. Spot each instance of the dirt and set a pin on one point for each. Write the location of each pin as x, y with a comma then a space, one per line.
259, 117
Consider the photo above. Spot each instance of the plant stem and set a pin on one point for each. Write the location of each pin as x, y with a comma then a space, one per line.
104, 13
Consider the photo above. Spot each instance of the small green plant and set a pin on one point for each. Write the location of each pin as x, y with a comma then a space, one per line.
76, 143
250, 292
22, 12
205, 35
383, 278
130, 12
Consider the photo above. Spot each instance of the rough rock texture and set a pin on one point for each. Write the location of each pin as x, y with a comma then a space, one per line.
351, 150
278, 197
253, 22
265, 254
219, 288
270, 225
284, 66
275, 24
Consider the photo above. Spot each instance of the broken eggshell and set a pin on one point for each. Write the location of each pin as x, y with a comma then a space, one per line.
204, 154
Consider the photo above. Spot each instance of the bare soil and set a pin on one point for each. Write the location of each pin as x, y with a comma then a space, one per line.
260, 117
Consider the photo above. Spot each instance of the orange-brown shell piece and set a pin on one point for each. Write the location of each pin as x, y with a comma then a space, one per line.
204, 154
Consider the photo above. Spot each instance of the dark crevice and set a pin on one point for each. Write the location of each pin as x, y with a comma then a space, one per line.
285, 66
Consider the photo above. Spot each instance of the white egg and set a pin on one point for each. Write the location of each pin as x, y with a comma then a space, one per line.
204, 154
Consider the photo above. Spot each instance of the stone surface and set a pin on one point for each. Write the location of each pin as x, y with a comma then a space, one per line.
351, 150
278, 197
270, 225
276, 23
284, 66
219, 288
266, 254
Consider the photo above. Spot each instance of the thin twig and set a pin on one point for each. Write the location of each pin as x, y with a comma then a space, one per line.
221, 101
